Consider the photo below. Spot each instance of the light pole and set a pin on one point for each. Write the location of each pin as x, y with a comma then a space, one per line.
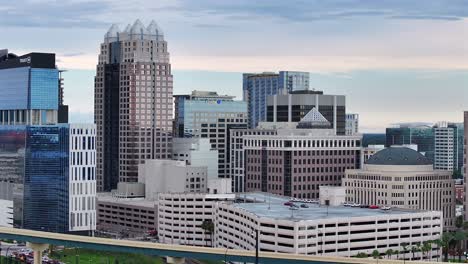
256, 244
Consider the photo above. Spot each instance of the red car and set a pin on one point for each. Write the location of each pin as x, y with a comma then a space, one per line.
373, 207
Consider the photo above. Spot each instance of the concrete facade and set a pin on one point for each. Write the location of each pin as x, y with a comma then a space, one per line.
82, 183
121, 215
414, 186
160, 176
295, 162
196, 152
182, 214
316, 230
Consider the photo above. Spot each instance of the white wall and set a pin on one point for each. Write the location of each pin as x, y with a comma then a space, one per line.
82, 184
6, 213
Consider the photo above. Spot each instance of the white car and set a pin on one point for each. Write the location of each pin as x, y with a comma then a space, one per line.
355, 205
385, 208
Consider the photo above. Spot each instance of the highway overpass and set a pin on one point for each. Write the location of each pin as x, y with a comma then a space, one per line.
177, 251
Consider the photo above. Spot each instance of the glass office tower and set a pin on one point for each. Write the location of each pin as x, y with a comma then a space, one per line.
33, 148
258, 86
420, 135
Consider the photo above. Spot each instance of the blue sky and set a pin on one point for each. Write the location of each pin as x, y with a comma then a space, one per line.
396, 60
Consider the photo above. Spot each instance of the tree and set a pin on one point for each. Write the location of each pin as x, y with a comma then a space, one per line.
415, 249
459, 222
208, 228
361, 255
444, 243
459, 236
404, 246
389, 253
397, 253
426, 248
376, 254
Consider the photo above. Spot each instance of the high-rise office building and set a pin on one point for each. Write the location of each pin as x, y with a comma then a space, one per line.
448, 147
82, 183
35, 151
212, 116
133, 102
352, 124
293, 106
258, 86
465, 162
298, 157
418, 134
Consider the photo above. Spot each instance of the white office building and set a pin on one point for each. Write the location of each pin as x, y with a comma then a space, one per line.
352, 124
196, 152
82, 183
160, 176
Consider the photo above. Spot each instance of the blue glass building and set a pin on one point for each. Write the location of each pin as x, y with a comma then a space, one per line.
257, 87
34, 149
29, 86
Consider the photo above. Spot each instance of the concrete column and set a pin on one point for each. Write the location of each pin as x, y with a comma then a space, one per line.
38, 249
175, 260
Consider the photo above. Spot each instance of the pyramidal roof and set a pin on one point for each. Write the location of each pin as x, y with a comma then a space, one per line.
315, 118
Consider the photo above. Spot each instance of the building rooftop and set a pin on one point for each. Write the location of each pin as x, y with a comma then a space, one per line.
109, 198
397, 155
272, 206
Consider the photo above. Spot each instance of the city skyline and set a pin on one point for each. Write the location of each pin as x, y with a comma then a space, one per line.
209, 49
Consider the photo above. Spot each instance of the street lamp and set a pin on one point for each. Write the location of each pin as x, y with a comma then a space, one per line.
255, 232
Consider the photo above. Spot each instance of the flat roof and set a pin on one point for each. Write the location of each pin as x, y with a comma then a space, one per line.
272, 206
108, 198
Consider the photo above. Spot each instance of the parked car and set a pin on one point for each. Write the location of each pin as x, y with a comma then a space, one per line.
385, 208
304, 205
347, 204
374, 206
364, 206
355, 205
288, 203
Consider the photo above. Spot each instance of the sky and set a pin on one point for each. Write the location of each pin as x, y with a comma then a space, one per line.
395, 60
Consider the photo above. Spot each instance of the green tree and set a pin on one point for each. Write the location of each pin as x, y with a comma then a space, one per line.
414, 249
397, 253
361, 255
208, 228
376, 254
444, 243
459, 236
426, 248
404, 246
389, 253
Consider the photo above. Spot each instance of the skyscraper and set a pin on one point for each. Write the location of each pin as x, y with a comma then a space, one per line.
418, 133
209, 115
448, 147
35, 152
258, 86
133, 102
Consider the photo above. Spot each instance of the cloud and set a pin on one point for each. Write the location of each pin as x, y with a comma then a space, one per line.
311, 10
53, 14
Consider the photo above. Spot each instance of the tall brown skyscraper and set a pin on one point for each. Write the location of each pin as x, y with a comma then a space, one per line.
133, 102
